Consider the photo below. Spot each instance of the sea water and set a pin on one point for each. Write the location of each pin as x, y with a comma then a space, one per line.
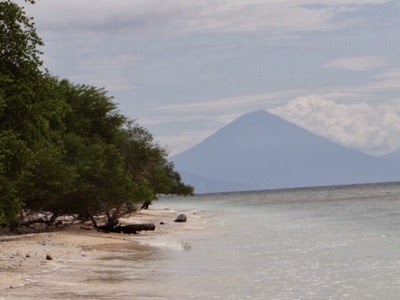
312, 243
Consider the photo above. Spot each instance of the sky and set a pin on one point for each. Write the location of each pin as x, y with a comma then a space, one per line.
185, 69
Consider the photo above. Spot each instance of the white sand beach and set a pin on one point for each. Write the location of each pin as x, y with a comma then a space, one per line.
23, 256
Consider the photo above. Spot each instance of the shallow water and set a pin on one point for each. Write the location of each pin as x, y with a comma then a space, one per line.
320, 243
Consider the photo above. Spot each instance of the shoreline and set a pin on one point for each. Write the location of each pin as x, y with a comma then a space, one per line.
24, 256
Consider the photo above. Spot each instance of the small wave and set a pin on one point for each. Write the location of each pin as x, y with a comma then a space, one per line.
174, 245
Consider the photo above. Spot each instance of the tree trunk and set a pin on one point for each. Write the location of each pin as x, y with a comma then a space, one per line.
145, 205
89, 214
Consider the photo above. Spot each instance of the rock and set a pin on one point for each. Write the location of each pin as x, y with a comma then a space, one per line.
180, 218
49, 257
27, 255
162, 223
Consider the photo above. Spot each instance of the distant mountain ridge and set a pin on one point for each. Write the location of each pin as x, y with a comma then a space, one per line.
260, 150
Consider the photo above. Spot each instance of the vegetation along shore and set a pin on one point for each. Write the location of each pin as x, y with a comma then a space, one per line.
65, 149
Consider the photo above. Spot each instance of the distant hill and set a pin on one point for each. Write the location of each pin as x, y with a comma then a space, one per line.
261, 151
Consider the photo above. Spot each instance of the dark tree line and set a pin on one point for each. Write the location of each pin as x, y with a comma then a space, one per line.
65, 148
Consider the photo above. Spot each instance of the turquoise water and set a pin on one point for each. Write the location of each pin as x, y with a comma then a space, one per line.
317, 243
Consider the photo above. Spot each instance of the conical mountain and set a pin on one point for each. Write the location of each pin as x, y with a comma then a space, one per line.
261, 151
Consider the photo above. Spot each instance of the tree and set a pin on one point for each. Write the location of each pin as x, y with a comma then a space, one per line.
98, 136
14, 154
19, 72
19, 42
64, 148
92, 112
148, 162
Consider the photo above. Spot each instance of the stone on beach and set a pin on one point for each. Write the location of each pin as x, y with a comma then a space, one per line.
180, 218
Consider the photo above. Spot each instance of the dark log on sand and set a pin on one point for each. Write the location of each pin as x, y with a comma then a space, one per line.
128, 229
132, 228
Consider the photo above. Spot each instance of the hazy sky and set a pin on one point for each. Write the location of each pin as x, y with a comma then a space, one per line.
185, 69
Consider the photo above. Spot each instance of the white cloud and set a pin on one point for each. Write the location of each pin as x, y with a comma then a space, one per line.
372, 129
165, 118
387, 80
159, 17
178, 143
357, 63
110, 72
211, 115
192, 128
276, 18
230, 104
341, 3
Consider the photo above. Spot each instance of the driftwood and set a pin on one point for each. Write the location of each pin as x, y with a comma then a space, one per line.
128, 229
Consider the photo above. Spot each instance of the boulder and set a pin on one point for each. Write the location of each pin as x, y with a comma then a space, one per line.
180, 218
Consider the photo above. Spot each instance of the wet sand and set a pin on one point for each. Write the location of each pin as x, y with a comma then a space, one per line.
24, 256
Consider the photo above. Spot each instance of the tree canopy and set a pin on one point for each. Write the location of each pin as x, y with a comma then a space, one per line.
64, 147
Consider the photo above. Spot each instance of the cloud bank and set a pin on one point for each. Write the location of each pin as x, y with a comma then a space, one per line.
357, 63
371, 129
180, 17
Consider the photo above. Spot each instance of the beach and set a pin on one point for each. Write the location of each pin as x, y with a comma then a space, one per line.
312, 243
23, 257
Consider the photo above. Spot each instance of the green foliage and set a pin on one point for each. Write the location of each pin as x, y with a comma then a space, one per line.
65, 148
49, 178
148, 162
92, 112
14, 156
102, 183
18, 42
